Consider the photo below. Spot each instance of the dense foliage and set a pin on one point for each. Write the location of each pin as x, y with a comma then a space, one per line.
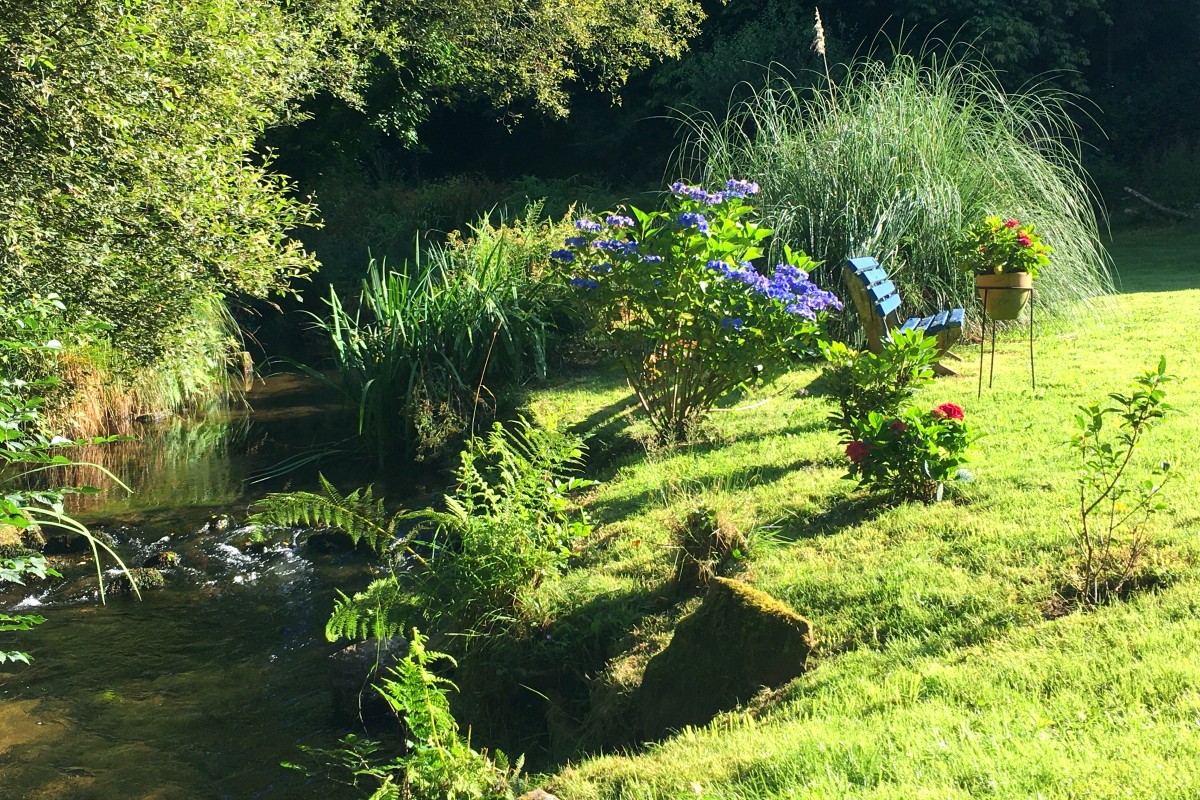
133, 181
125, 142
28, 347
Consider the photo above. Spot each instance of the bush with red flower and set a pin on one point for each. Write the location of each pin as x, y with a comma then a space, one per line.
909, 455
999, 246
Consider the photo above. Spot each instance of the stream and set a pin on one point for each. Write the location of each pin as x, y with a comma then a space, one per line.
204, 686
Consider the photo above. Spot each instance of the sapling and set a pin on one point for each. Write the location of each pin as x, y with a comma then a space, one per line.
1115, 511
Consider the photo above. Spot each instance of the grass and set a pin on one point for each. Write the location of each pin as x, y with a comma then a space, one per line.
939, 673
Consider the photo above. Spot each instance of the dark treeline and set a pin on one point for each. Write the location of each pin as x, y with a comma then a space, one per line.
1135, 69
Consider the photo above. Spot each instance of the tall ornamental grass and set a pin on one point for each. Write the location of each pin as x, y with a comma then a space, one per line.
423, 350
897, 160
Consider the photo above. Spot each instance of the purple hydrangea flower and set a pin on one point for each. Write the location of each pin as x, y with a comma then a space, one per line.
652, 259
620, 221
584, 283
575, 241
588, 225
562, 255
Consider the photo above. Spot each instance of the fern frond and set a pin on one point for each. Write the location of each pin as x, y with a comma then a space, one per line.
359, 513
388, 790
372, 613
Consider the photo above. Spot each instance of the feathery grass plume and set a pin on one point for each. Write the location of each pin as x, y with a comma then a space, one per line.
819, 46
901, 159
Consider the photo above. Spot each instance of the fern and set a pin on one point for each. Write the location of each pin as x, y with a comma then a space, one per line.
359, 514
373, 613
421, 695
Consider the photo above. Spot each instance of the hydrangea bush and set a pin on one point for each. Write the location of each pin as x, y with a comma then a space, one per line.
690, 312
910, 455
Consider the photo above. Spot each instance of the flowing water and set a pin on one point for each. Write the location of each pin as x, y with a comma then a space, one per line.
203, 687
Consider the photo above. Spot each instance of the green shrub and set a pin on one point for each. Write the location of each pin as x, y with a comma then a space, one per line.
897, 161
911, 455
862, 382
1114, 512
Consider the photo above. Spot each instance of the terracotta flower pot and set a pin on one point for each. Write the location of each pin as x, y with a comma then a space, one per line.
1004, 295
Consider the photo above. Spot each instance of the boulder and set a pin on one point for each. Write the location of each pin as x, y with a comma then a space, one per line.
737, 642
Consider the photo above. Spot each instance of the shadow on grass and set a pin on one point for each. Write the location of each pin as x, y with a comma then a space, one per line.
1157, 259
849, 511
740, 478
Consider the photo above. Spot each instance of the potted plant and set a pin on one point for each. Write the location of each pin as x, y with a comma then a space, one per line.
1005, 256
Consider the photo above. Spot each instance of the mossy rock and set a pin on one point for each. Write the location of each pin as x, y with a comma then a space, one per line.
63, 542
737, 642
167, 559
146, 578
16, 542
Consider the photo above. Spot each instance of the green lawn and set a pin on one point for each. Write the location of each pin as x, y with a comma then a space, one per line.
939, 674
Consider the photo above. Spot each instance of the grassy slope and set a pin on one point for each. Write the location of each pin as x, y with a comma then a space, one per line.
938, 674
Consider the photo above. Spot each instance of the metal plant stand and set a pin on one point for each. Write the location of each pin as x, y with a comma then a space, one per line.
983, 336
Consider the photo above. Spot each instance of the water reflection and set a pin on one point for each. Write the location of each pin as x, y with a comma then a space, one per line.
201, 689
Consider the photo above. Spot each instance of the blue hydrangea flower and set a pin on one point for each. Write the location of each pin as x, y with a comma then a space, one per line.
575, 241
562, 255
736, 188
737, 323
625, 247
584, 283
652, 259
693, 220
588, 225
619, 221
684, 190
601, 269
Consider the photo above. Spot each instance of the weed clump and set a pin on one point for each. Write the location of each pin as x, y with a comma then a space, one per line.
705, 542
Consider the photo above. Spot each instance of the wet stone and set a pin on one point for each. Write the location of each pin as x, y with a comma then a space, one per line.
146, 578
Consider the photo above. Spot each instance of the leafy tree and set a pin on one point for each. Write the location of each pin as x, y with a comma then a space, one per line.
125, 134
130, 183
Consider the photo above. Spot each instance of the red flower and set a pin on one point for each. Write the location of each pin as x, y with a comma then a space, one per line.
857, 451
1024, 240
948, 411
1012, 223
898, 425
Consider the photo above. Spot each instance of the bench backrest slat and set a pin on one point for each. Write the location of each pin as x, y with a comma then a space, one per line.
881, 291
887, 305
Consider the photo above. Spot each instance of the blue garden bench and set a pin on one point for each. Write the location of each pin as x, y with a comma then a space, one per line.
878, 303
